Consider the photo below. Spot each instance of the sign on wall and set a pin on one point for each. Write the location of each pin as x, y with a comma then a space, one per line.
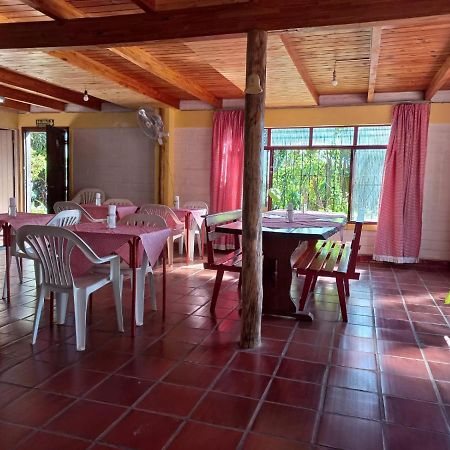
45, 122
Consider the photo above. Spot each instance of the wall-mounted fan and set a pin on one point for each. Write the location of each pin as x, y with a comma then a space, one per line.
151, 123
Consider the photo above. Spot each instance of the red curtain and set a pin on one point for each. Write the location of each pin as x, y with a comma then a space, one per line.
227, 161
400, 220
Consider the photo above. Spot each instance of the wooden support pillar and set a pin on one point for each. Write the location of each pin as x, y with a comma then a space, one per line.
252, 290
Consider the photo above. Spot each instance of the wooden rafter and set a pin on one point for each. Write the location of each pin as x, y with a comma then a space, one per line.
146, 5
296, 59
56, 9
33, 99
18, 106
84, 62
149, 63
215, 20
375, 48
41, 87
439, 80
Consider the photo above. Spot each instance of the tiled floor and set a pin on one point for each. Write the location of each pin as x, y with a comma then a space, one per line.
382, 381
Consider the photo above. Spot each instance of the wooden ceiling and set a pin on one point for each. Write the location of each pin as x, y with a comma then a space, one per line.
373, 51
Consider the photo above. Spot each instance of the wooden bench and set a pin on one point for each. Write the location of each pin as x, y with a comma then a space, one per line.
230, 262
333, 259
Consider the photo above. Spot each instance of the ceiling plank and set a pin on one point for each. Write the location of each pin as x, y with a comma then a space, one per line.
300, 67
148, 6
33, 99
439, 80
375, 48
12, 104
135, 29
56, 9
41, 87
91, 65
149, 63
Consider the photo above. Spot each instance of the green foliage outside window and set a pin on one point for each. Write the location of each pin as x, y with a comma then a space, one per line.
38, 160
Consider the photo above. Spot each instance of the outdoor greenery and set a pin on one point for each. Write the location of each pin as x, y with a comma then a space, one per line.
38, 165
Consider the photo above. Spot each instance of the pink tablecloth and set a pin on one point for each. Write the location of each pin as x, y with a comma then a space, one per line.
196, 215
101, 211
105, 241
278, 219
25, 219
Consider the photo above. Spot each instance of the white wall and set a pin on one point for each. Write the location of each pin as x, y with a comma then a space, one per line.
8, 164
121, 161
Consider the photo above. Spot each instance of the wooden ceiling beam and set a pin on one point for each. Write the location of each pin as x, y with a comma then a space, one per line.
375, 48
41, 87
33, 99
149, 63
296, 59
268, 15
56, 9
18, 106
91, 65
439, 80
148, 6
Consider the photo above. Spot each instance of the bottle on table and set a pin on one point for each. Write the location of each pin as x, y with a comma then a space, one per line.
12, 209
111, 219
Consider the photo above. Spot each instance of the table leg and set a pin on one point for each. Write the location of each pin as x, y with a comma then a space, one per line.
7, 243
164, 280
133, 261
187, 226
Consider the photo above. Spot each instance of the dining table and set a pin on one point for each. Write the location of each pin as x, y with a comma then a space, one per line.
193, 220
101, 211
280, 239
127, 241
9, 225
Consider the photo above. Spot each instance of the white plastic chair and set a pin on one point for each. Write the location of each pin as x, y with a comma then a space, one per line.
70, 205
53, 247
62, 219
172, 222
118, 202
87, 195
197, 204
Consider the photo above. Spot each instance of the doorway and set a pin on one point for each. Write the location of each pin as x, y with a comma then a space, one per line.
46, 167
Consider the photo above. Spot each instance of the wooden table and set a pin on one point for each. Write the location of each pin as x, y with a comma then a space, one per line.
280, 296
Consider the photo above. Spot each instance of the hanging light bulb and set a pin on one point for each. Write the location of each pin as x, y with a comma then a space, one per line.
334, 80
86, 96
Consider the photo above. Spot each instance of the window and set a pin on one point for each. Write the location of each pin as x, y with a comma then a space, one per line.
336, 169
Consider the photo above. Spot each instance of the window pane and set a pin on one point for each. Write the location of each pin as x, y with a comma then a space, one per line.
290, 137
265, 136
333, 136
374, 135
265, 158
366, 183
318, 179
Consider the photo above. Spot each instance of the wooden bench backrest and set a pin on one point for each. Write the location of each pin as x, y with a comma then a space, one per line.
213, 220
355, 247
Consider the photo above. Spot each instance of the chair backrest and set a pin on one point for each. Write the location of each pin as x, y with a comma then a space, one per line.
70, 205
53, 247
196, 204
87, 195
65, 218
211, 222
162, 211
118, 202
147, 220
355, 244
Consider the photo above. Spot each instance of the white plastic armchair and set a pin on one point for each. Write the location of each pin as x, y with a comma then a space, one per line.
70, 205
196, 204
65, 218
118, 202
147, 220
87, 195
172, 221
53, 247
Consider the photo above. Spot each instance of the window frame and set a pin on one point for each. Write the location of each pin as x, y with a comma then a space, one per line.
272, 148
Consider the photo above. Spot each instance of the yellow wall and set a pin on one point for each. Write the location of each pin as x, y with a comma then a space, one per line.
8, 119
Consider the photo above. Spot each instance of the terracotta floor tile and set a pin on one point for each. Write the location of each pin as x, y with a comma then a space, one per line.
9, 392
104, 361
137, 429
192, 375
86, 419
211, 356
407, 387
11, 435
349, 433
357, 360
308, 352
199, 436
363, 380
246, 384
400, 349
398, 437
254, 363
285, 421
171, 399
46, 441
440, 371
29, 373
147, 367
225, 410
444, 389
301, 370
403, 366
169, 349
260, 441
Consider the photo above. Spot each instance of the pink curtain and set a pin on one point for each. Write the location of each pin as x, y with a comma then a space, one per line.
400, 219
227, 161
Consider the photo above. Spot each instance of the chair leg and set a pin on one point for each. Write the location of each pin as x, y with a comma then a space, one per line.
200, 244
216, 290
347, 286
180, 245
313, 284
37, 273
4, 280
140, 294
341, 292
151, 282
170, 250
61, 307
306, 288
51, 308
80, 300
90, 307
117, 282
38, 312
19, 268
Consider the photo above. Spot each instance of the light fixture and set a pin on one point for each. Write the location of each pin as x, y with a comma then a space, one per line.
86, 96
2, 99
334, 80
253, 84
